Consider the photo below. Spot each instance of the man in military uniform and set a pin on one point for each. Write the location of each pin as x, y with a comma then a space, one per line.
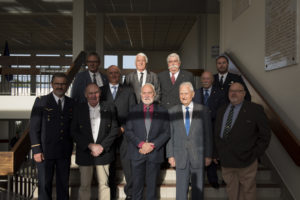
50, 137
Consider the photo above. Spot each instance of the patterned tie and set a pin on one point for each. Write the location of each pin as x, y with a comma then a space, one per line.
228, 123
141, 78
173, 79
94, 78
147, 122
206, 95
187, 121
114, 91
59, 105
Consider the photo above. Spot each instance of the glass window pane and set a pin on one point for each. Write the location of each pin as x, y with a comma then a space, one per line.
128, 62
110, 60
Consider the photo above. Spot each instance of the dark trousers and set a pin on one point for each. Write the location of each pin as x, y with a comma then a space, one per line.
211, 172
45, 176
144, 170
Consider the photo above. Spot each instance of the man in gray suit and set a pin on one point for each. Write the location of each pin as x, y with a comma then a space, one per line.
92, 75
138, 78
171, 79
190, 146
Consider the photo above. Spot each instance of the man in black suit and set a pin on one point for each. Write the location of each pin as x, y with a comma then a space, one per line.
242, 135
50, 137
123, 98
171, 79
92, 75
141, 76
223, 79
213, 98
147, 130
94, 128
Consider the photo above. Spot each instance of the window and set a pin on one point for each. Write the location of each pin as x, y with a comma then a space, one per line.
110, 60
129, 62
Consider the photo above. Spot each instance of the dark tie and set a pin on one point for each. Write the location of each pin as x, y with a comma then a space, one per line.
173, 79
228, 123
114, 91
147, 122
206, 95
141, 78
187, 121
94, 78
221, 81
59, 105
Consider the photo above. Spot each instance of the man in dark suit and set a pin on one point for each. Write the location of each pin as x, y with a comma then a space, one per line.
123, 98
171, 79
50, 137
190, 146
92, 75
147, 130
94, 128
213, 98
242, 134
223, 79
141, 76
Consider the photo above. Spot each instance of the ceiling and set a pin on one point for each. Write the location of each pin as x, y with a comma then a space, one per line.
129, 25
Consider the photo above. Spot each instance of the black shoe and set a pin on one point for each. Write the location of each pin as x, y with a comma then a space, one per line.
215, 185
128, 197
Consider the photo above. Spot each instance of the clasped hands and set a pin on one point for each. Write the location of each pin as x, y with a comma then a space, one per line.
96, 149
147, 147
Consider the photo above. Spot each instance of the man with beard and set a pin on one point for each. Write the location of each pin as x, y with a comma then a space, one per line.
147, 131
171, 79
94, 128
242, 135
51, 141
223, 79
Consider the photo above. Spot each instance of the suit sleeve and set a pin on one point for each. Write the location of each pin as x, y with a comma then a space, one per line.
264, 132
208, 137
129, 133
170, 144
114, 130
156, 84
36, 126
164, 135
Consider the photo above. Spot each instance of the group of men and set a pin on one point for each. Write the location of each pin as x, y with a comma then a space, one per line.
148, 119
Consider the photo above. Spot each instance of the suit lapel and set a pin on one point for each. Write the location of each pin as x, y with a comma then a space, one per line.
135, 78
86, 115
181, 120
194, 116
120, 88
148, 77
240, 116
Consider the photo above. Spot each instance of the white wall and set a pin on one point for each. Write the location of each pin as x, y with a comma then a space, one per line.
16, 107
244, 37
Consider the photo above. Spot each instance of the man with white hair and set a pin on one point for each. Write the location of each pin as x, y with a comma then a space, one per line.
141, 76
171, 79
190, 146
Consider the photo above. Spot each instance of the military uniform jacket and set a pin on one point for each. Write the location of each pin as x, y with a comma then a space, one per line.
50, 128
83, 136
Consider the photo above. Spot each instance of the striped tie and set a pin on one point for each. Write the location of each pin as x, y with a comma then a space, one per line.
228, 122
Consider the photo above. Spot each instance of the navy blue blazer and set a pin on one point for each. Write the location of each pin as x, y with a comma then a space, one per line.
159, 133
82, 79
215, 100
231, 78
50, 128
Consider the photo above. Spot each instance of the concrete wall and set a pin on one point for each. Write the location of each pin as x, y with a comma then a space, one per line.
196, 50
244, 37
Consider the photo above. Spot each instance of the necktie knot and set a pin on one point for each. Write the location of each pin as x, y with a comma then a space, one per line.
173, 78
187, 108
206, 95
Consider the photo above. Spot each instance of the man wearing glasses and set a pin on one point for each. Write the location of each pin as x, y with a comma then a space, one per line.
92, 75
51, 140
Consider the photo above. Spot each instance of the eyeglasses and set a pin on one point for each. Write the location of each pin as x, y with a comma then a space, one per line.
235, 91
92, 61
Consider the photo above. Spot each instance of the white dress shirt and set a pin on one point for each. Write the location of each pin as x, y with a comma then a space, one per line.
144, 76
224, 76
95, 120
98, 78
175, 75
112, 89
191, 106
62, 99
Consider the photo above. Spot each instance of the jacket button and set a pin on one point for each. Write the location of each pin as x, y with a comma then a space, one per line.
61, 131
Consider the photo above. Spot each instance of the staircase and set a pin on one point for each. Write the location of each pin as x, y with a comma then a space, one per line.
267, 187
